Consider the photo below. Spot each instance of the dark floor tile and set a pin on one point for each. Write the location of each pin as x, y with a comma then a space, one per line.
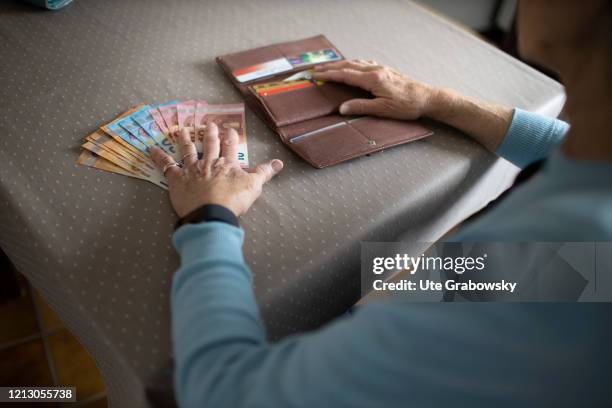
9, 286
17, 316
50, 320
25, 365
74, 365
33, 405
99, 403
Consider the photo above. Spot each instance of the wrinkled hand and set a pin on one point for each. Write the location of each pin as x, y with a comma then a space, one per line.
216, 178
395, 95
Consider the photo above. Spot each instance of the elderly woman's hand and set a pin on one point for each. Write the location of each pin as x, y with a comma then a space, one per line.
216, 178
398, 96
395, 95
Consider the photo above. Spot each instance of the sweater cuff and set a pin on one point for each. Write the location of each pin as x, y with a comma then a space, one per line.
531, 137
209, 240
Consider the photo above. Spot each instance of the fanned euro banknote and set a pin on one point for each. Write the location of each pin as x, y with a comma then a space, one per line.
122, 146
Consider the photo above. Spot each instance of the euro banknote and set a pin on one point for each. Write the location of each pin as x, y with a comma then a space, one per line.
123, 145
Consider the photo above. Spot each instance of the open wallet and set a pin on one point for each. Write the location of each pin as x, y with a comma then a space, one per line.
276, 84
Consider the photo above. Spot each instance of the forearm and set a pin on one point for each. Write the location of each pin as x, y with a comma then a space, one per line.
222, 358
485, 122
214, 314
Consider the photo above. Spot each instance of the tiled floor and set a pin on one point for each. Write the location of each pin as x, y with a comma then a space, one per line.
37, 350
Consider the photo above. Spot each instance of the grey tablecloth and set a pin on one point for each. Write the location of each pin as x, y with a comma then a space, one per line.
97, 245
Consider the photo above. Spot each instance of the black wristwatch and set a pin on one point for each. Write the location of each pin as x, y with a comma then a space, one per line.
209, 212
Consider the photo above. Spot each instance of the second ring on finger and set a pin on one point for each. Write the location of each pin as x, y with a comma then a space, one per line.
168, 165
187, 156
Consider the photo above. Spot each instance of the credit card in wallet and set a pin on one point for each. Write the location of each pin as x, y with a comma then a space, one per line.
272, 88
262, 70
314, 57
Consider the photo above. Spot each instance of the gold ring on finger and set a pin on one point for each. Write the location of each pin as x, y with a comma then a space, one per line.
167, 166
188, 155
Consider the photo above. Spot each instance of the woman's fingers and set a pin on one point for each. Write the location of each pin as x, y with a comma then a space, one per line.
187, 150
210, 145
348, 76
229, 146
358, 65
165, 163
265, 171
364, 107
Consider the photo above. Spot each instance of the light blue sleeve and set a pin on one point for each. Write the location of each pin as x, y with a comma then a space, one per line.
386, 354
531, 137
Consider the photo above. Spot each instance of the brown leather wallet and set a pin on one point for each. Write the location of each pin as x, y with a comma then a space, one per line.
306, 117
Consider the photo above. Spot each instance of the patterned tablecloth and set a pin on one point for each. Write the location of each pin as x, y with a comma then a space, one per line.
97, 245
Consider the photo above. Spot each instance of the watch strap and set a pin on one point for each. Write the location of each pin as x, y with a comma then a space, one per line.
209, 212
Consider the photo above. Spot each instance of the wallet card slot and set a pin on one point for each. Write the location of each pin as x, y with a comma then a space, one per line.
331, 145
296, 105
297, 138
384, 133
296, 129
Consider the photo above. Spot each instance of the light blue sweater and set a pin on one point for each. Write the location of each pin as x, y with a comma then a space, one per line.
405, 354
